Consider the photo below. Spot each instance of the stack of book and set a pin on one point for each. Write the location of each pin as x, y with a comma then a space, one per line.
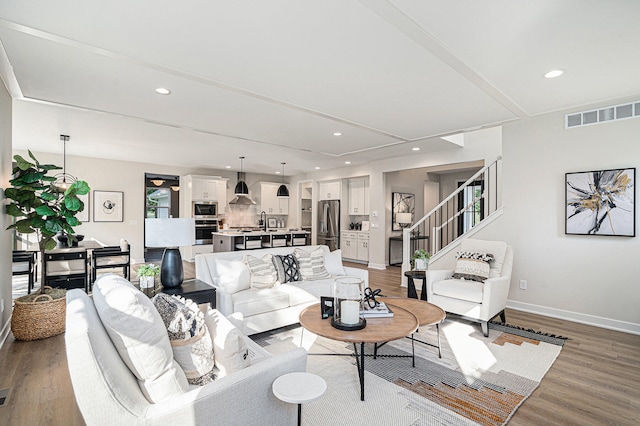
380, 311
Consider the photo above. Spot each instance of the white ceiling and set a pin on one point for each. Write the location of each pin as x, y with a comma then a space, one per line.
273, 80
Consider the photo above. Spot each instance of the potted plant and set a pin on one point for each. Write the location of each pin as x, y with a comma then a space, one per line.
44, 209
420, 260
147, 275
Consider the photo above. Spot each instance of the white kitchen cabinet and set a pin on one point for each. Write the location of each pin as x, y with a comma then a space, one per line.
349, 245
221, 193
330, 190
269, 200
359, 196
363, 247
204, 189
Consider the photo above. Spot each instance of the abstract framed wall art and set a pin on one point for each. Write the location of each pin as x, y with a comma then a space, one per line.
108, 206
601, 202
401, 202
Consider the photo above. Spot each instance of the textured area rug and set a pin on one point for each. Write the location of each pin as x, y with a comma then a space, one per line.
478, 380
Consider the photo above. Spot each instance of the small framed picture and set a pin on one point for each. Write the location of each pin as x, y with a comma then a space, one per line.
326, 306
272, 222
107, 206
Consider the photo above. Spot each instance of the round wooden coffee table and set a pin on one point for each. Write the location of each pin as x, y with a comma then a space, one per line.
426, 313
378, 330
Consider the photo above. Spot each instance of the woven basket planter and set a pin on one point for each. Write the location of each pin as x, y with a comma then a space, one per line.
38, 319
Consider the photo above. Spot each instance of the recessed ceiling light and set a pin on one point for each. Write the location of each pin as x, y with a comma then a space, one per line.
337, 134
317, 168
347, 162
227, 167
554, 73
415, 148
163, 91
277, 172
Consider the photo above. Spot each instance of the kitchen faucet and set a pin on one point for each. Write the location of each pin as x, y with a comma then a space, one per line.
263, 221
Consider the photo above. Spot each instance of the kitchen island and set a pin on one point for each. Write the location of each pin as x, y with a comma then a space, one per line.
232, 240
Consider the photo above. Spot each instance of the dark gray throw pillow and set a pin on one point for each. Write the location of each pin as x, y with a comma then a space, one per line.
287, 268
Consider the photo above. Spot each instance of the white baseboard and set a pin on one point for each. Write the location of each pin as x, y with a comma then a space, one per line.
610, 324
380, 266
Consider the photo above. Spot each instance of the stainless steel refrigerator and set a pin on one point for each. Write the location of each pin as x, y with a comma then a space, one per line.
329, 223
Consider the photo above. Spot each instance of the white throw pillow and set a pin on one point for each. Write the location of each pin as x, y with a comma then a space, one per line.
140, 337
263, 273
333, 263
232, 353
232, 275
189, 336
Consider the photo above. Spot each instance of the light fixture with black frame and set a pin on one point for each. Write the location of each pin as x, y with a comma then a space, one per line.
283, 191
63, 180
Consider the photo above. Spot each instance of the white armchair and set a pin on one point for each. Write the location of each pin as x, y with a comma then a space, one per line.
472, 299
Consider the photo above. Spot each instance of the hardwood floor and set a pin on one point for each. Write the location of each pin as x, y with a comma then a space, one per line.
594, 381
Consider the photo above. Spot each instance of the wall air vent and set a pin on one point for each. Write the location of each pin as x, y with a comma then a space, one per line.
602, 115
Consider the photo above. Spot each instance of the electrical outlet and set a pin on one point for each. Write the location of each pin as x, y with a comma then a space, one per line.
523, 284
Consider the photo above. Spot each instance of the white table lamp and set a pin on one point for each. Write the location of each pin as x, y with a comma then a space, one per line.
404, 219
171, 234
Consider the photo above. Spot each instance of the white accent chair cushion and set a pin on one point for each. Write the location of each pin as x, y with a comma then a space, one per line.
138, 333
230, 349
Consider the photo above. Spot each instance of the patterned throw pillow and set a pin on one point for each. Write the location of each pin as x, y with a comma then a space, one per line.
311, 264
263, 273
472, 266
190, 339
287, 268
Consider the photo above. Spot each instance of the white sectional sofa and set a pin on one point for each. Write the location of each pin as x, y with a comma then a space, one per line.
123, 372
265, 309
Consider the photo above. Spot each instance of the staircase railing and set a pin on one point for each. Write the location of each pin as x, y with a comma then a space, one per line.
466, 207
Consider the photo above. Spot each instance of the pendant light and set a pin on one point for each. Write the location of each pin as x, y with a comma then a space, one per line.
241, 186
63, 180
283, 191
241, 190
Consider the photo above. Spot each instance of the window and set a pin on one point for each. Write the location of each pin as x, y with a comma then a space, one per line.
470, 206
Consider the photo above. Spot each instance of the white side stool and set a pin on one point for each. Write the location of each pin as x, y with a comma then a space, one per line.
298, 388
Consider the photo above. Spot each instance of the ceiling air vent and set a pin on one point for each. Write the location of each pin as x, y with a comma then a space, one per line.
602, 115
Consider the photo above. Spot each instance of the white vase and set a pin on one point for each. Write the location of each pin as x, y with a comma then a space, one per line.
147, 282
421, 264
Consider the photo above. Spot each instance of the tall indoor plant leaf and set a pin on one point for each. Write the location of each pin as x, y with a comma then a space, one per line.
39, 207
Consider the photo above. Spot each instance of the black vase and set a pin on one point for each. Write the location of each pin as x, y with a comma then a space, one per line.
171, 272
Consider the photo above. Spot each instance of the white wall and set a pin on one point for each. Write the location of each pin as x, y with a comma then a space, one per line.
5, 220
597, 277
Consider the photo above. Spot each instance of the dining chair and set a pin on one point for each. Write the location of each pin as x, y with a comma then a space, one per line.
110, 257
66, 268
24, 263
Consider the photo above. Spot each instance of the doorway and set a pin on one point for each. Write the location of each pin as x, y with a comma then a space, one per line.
161, 200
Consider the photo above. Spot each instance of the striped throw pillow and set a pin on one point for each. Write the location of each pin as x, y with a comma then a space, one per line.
311, 264
472, 266
263, 273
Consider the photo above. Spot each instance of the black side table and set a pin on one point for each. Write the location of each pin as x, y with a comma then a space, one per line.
196, 290
411, 286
